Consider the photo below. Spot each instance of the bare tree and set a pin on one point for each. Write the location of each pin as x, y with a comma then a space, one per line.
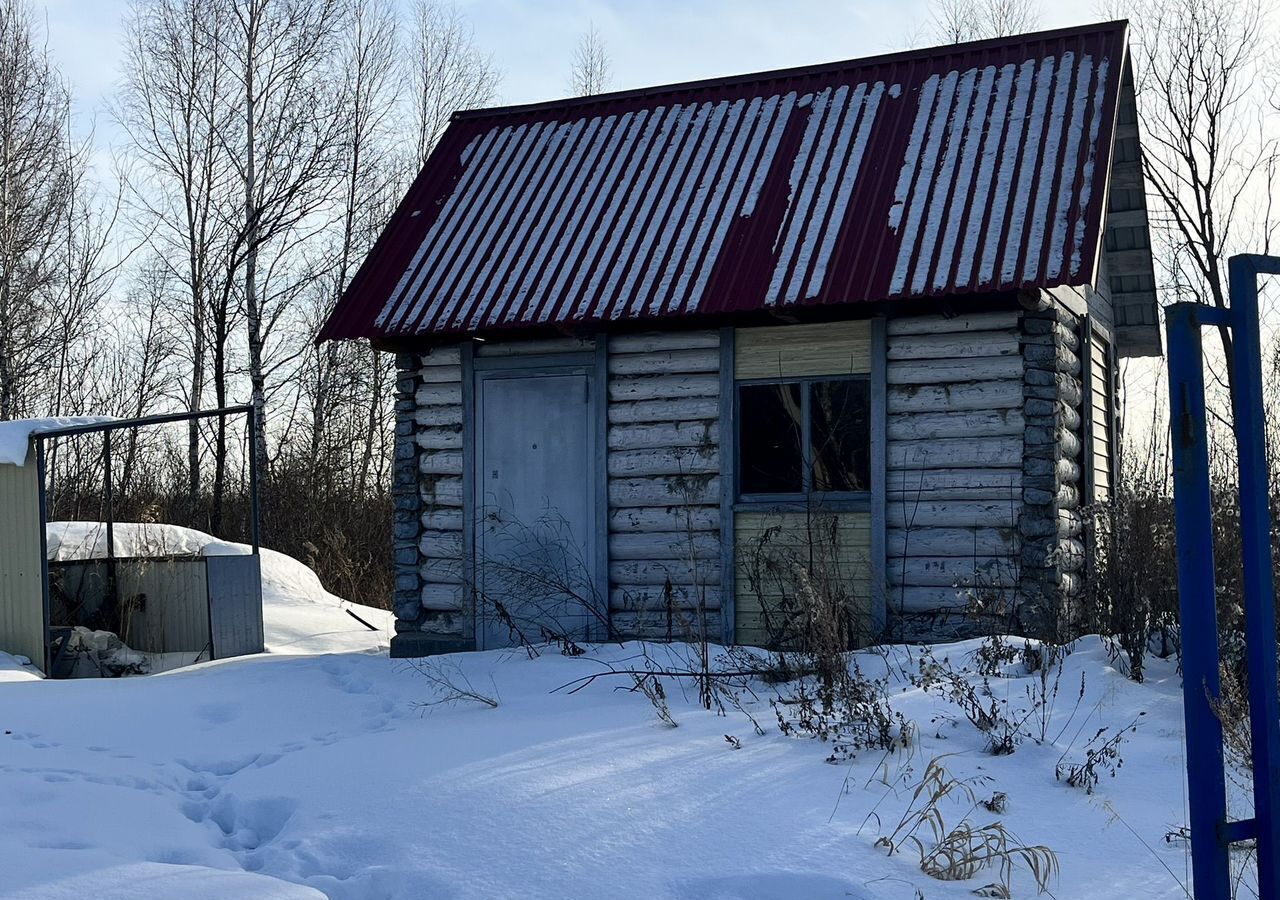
286, 155
370, 176
957, 21
447, 71
1208, 153
36, 191
174, 105
592, 70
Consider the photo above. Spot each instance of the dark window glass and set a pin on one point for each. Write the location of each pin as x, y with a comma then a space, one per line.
769, 434
840, 428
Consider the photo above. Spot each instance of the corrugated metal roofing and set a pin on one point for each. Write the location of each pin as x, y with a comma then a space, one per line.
964, 169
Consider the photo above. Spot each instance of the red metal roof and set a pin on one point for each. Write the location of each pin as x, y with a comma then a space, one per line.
963, 169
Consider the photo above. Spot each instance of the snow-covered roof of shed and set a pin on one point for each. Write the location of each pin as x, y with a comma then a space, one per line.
15, 434
970, 168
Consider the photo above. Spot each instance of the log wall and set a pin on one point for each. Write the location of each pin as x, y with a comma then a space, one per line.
1052, 523
430, 603
954, 472
664, 485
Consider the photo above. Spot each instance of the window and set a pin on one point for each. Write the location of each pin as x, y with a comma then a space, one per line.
804, 436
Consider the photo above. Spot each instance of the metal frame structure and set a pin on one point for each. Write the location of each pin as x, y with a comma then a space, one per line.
106, 428
1212, 834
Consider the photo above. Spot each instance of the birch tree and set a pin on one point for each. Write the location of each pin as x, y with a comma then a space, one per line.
285, 156
371, 172
36, 190
174, 104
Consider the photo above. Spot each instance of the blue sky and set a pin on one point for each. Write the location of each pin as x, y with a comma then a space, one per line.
532, 41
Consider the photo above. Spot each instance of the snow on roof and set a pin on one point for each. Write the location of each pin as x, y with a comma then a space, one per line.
962, 169
15, 435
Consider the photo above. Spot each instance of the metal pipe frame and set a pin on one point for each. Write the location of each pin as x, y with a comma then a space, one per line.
107, 428
1211, 833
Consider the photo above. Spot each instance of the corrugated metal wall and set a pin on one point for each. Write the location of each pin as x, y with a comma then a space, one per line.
174, 612
235, 604
21, 570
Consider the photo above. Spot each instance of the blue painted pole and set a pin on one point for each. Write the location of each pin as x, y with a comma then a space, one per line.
1259, 583
1206, 778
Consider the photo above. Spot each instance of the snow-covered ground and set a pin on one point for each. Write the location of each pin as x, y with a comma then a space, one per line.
315, 770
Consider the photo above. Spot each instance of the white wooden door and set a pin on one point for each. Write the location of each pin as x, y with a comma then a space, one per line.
535, 496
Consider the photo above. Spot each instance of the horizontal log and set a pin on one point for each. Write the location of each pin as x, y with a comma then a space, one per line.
962, 542
952, 513
441, 490
1069, 443
1068, 496
954, 484
652, 601
664, 434
1068, 337
440, 356
445, 438
445, 518
439, 395
683, 410
1070, 584
440, 462
665, 518
655, 341
993, 368
440, 375
954, 346
658, 572
955, 453
442, 571
664, 546
984, 321
669, 361
1056, 357
438, 416
949, 571
443, 544
653, 387
1069, 418
1070, 523
917, 600
666, 492
978, 395
538, 345
443, 597
969, 424
667, 461
689, 625
444, 623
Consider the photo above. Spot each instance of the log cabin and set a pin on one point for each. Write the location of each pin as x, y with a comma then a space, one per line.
657, 347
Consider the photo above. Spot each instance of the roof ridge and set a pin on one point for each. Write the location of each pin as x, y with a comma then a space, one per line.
748, 78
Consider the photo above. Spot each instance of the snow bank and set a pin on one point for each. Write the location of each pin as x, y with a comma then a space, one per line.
17, 668
15, 434
286, 776
299, 615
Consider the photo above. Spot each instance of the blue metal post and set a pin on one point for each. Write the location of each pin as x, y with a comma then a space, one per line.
1196, 594
1259, 584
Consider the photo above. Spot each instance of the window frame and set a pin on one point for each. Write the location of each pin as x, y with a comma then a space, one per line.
806, 495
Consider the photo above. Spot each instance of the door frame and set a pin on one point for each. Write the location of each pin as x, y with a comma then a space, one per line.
591, 364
